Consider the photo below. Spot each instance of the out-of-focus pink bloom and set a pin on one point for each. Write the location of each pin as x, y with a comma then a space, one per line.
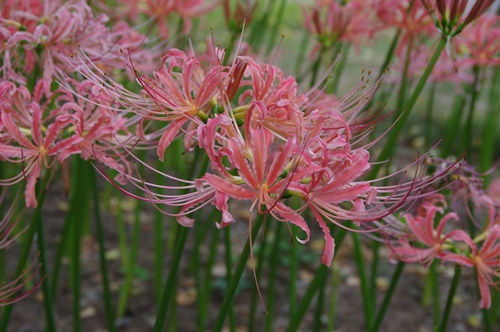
480, 43
48, 31
424, 242
494, 191
331, 22
408, 16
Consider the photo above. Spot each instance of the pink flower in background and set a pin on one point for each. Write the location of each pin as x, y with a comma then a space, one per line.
331, 22
486, 261
424, 242
479, 44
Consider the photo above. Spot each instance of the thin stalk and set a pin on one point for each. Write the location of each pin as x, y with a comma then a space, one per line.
389, 54
131, 264
48, 301
468, 127
208, 274
487, 321
335, 283
301, 54
449, 301
294, 267
258, 271
340, 67
374, 271
229, 267
316, 283
490, 127
365, 288
278, 16
450, 136
61, 249
181, 236
317, 325
228, 299
316, 66
428, 115
108, 308
27, 242
122, 235
388, 296
436, 295
273, 267
168, 290
394, 133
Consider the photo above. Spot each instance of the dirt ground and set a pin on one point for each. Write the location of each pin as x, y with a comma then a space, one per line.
405, 313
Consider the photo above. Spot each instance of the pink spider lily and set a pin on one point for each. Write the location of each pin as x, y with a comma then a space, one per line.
486, 261
30, 141
480, 43
52, 28
424, 242
331, 22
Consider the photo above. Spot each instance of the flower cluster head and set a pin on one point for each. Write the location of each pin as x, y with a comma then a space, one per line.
452, 16
36, 36
265, 142
466, 238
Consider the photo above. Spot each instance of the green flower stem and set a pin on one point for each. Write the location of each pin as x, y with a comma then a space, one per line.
273, 267
336, 281
365, 287
394, 133
319, 276
317, 325
122, 235
27, 242
388, 296
258, 271
374, 270
62, 248
315, 284
48, 301
449, 301
180, 241
390, 54
130, 267
428, 115
301, 55
341, 50
294, 267
490, 126
169, 290
228, 299
79, 207
450, 136
108, 308
468, 127
208, 274
487, 321
274, 33
229, 267
316, 66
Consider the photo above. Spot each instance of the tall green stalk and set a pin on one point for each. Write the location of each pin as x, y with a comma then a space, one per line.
394, 133
27, 242
108, 307
388, 296
228, 299
449, 301
273, 272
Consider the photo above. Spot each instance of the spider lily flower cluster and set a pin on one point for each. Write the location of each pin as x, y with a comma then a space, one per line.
265, 141
452, 234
